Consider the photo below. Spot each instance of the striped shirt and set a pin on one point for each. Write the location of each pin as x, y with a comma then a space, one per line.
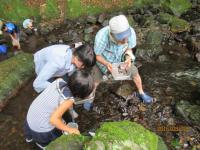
41, 109
111, 51
52, 61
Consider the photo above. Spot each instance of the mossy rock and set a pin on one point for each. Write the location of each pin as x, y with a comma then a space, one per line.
125, 135
177, 7
154, 37
189, 112
14, 72
68, 142
177, 25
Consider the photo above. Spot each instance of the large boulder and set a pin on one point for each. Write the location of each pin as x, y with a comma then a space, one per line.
14, 73
125, 135
112, 136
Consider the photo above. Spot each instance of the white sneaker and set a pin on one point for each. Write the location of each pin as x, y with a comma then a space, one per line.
40, 146
28, 140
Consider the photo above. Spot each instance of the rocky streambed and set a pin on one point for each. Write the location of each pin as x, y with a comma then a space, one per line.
169, 51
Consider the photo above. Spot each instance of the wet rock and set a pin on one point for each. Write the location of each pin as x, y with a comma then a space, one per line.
105, 22
148, 52
194, 45
171, 122
126, 135
189, 74
150, 21
87, 37
101, 18
196, 27
23, 36
197, 57
189, 111
91, 19
131, 20
44, 31
52, 39
163, 58
89, 29
125, 90
28, 31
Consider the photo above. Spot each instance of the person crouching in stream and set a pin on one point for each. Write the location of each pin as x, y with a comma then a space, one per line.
14, 33
44, 121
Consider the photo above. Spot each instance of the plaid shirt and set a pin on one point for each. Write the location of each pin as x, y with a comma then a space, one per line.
111, 51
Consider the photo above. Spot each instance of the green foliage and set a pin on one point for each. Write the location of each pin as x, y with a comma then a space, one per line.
51, 10
76, 8
13, 73
175, 143
142, 3
177, 24
177, 7
15, 10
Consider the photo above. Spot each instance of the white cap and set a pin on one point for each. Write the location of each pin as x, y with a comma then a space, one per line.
26, 23
120, 27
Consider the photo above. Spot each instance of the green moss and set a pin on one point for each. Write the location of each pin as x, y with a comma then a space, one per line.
125, 135
68, 142
177, 7
176, 24
13, 73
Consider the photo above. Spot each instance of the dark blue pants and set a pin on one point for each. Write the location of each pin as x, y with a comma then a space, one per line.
43, 138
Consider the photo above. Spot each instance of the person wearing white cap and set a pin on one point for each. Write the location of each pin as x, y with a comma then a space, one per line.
28, 23
114, 42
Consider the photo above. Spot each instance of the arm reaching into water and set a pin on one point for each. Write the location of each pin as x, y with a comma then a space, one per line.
56, 118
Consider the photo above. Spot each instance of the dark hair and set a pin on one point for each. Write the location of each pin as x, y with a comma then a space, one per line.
81, 83
3, 27
86, 55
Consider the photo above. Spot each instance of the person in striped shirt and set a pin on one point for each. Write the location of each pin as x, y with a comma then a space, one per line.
44, 121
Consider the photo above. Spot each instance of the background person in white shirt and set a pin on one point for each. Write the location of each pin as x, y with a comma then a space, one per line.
59, 60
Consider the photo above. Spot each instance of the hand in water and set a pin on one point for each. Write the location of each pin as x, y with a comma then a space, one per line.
73, 131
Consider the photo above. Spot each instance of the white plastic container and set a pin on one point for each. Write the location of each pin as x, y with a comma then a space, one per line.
120, 72
72, 125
